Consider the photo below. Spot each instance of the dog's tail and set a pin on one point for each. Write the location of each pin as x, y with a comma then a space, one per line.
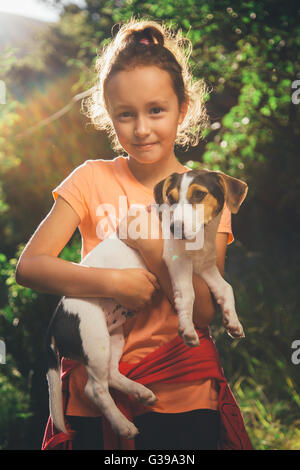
54, 386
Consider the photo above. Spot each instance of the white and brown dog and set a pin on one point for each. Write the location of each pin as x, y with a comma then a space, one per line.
90, 330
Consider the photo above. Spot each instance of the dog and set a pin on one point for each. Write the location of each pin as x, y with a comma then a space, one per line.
89, 330
208, 189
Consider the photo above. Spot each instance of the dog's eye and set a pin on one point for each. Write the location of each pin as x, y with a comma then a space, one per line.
171, 199
198, 195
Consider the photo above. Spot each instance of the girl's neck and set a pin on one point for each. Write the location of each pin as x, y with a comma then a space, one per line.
149, 174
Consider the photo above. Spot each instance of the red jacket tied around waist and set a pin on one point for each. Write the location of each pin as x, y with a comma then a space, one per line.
171, 363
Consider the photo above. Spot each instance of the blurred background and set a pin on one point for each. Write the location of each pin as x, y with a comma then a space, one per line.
248, 53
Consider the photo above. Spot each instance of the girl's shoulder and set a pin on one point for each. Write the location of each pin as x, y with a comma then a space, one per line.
87, 173
90, 168
99, 164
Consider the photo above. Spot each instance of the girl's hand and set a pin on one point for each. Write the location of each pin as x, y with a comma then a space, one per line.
134, 287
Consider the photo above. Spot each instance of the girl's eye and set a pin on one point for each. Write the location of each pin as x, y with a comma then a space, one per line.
157, 110
125, 114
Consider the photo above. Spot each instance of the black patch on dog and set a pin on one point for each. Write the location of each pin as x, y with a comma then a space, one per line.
64, 328
51, 357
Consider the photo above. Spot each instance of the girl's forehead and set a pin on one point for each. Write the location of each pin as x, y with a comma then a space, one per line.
148, 83
142, 72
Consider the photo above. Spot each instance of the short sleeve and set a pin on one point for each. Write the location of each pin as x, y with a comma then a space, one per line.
225, 224
75, 189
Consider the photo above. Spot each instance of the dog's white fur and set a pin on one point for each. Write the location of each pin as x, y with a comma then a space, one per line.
182, 263
101, 330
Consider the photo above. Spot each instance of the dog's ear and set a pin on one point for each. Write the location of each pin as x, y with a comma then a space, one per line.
235, 191
158, 192
160, 189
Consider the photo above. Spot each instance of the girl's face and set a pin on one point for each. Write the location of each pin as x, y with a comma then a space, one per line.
145, 113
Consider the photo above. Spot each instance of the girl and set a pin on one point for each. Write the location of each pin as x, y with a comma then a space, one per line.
147, 101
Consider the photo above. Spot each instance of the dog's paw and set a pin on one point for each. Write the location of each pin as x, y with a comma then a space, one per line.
189, 337
127, 429
234, 328
145, 396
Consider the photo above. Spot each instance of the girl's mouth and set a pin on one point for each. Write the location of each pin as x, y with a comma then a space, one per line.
145, 146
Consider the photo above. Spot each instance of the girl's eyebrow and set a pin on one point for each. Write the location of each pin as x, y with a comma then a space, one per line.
151, 103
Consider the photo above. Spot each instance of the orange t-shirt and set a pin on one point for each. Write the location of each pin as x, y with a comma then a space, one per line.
101, 192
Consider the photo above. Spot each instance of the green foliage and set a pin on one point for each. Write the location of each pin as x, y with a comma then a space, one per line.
14, 391
14, 405
270, 425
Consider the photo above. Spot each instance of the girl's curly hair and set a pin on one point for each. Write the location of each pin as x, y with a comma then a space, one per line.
163, 48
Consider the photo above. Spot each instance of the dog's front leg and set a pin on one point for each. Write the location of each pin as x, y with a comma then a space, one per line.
119, 381
224, 296
180, 268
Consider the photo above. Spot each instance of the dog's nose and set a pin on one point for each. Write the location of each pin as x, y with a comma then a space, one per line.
177, 229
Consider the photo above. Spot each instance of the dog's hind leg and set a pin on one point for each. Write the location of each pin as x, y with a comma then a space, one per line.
96, 345
120, 381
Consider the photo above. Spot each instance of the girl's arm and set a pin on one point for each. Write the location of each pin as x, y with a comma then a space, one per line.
39, 267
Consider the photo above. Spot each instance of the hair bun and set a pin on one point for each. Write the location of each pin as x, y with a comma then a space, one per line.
147, 35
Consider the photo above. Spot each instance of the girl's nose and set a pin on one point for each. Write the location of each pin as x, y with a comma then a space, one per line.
141, 128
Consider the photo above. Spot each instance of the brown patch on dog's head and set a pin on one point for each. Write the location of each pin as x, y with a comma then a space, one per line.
206, 189
199, 194
196, 193
172, 195
211, 208
222, 187
169, 187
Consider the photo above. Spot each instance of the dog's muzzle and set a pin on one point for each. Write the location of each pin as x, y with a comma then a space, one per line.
178, 230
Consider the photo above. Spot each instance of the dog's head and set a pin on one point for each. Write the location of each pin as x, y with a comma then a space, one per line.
183, 193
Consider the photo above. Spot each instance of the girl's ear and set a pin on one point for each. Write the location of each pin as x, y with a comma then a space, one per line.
183, 110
